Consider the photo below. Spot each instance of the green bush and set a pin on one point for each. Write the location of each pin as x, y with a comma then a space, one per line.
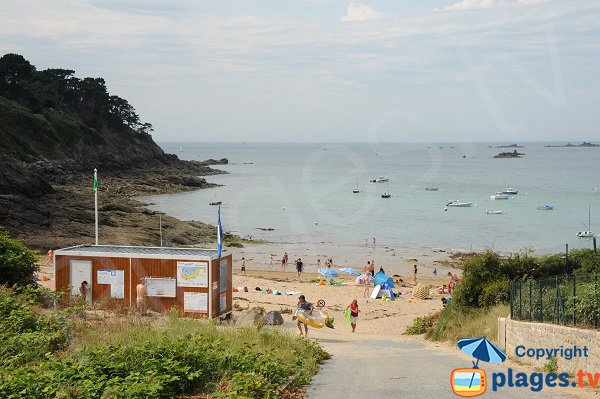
17, 262
495, 293
421, 325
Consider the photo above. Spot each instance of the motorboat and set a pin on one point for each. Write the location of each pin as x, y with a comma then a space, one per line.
431, 189
380, 179
500, 196
459, 204
587, 233
356, 190
492, 212
545, 207
216, 203
510, 191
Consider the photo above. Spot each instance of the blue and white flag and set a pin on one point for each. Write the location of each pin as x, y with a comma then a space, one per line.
219, 234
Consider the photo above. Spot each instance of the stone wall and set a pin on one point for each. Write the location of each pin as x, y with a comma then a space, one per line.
548, 336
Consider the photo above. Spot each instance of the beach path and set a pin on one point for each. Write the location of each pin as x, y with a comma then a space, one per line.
364, 366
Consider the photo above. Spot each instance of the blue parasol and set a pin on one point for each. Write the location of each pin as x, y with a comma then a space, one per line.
481, 349
350, 270
328, 272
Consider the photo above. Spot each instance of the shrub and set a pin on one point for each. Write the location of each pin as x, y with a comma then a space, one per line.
495, 293
551, 366
17, 262
421, 325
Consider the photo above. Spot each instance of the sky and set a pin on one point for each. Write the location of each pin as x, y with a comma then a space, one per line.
330, 70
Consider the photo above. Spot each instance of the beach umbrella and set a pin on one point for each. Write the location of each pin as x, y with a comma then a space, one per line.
328, 272
481, 349
350, 270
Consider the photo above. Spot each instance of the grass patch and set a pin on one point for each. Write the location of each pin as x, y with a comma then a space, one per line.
145, 357
455, 322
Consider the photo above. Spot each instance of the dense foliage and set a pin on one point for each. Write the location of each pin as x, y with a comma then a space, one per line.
17, 262
60, 89
486, 278
49, 354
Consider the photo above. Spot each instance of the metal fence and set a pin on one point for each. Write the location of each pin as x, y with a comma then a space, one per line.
567, 300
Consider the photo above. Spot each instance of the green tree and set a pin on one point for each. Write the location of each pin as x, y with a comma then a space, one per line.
17, 262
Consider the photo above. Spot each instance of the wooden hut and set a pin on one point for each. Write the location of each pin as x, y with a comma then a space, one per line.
196, 281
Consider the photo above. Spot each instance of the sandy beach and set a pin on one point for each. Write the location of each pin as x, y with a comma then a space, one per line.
376, 317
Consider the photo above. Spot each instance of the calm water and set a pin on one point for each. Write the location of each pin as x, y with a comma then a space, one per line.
304, 193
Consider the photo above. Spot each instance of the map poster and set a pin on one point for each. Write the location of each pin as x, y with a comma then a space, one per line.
104, 276
195, 302
192, 274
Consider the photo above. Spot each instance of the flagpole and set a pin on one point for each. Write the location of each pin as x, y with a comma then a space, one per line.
96, 201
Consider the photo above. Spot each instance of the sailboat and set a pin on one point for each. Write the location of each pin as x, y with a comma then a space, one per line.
587, 233
356, 190
387, 193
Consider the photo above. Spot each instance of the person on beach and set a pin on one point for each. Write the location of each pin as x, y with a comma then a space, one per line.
141, 293
307, 307
453, 281
270, 260
299, 266
353, 313
374, 243
50, 256
369, 269
243, 265
435, 271
415, 274
381, 269
366, 283
284, 261
318, 263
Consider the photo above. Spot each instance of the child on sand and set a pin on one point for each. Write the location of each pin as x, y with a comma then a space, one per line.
353, 313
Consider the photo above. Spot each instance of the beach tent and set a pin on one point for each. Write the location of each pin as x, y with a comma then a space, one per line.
385, 284
381, 278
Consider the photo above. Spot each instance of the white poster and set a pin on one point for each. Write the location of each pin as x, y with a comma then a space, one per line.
104, 276
192, 274
117, 285
162, 287
196, 302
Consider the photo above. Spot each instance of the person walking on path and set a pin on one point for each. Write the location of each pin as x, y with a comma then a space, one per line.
307, 307
243, 265
353, 313
299, 266
415, 274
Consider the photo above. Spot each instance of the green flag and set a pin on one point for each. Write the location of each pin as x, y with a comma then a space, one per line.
95, 184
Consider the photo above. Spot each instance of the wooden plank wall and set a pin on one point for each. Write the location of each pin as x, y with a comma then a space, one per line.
141, 268
100, 292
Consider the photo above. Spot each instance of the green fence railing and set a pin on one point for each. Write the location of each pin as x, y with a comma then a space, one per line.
567, 300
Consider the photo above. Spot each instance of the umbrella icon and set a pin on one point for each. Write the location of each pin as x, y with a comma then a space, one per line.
481, 349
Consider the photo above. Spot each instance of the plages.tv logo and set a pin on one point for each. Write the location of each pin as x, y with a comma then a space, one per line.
471, 382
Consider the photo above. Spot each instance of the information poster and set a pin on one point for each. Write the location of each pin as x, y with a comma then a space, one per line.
117, 285
104, 276
195, 302
192, 274
223, 275
161, 287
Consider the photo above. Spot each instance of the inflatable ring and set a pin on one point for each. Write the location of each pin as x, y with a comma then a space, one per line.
315, 320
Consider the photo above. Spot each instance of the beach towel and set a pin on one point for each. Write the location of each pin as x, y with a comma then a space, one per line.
347, 316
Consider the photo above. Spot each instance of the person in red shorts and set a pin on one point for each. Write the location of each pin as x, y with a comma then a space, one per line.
353, 313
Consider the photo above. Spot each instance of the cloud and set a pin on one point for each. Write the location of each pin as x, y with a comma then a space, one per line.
360, 13
475, 4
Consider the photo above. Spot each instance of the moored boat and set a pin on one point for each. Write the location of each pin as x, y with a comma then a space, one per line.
510, 191
545, 207
459, 204
499, 196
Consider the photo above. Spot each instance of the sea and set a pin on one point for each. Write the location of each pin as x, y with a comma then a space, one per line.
303, 193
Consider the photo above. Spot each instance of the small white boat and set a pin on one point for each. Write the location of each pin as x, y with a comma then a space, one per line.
387, 193
459, 204
492, 212
380, 179
587, 233
499, 196
510, 191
